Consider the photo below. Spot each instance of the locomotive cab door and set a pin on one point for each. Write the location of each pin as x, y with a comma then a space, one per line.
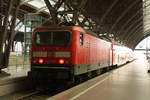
88, 58
85, 44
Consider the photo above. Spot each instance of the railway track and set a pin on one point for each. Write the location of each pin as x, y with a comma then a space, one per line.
38, 94
27, 96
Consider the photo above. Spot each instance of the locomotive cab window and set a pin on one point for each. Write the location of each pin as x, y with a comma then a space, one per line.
56, 38
81, 39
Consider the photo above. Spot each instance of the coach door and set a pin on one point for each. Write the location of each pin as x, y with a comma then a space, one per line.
111, 55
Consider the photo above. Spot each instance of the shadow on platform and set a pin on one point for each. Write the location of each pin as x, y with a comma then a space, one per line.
4, 74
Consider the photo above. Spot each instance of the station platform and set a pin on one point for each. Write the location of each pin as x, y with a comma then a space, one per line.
14, 72
13, 79
129, 82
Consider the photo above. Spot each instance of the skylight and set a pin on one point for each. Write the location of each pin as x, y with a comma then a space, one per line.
37, 3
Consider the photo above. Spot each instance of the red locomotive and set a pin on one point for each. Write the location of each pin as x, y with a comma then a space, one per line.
70, 52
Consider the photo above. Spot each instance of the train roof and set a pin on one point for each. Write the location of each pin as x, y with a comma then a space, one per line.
91, 33
115, 43
61, 28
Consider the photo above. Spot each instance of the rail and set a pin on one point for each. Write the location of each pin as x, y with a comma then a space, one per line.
29, 95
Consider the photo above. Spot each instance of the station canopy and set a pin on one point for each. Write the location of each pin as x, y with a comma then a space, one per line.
125, 21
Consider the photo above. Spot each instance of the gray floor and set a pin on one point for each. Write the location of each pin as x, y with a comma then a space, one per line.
14, 72
131, 82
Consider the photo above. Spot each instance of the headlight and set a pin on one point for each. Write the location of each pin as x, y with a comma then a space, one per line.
40, 61
61, 61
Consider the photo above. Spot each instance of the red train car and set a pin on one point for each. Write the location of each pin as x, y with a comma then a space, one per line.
67, 52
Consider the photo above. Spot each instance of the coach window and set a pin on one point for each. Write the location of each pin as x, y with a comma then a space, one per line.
81, 38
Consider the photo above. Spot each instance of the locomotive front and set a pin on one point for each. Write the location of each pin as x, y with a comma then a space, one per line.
51, 53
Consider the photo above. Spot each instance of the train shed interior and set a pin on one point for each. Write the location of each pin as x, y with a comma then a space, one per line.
123, 21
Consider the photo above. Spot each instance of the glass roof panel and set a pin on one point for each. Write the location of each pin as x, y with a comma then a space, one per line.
146, 17
46, 10
37, 3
